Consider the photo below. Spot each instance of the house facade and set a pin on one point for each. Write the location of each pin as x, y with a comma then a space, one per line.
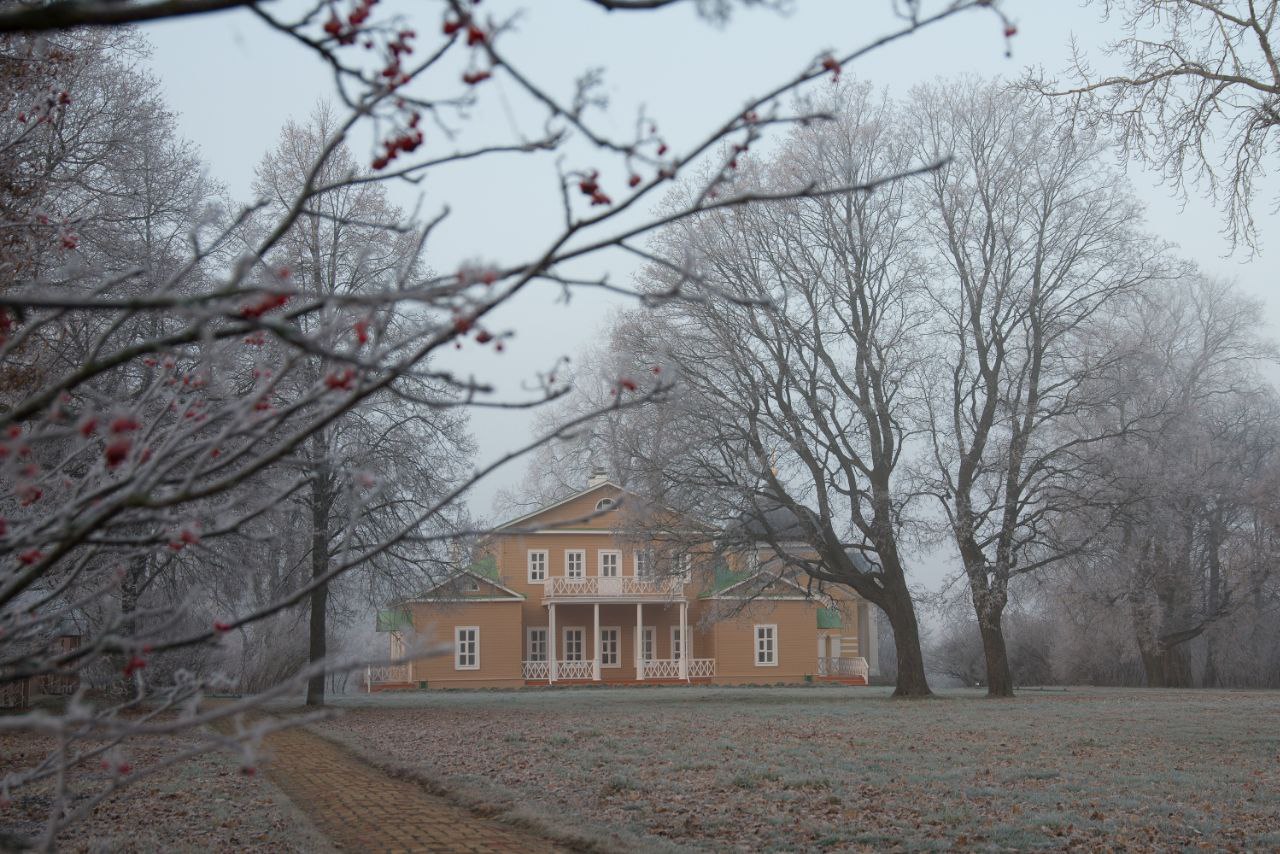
569, 595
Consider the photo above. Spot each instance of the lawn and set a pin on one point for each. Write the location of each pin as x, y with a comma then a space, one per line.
786, 768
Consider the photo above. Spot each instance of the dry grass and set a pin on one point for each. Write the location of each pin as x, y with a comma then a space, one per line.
778, 769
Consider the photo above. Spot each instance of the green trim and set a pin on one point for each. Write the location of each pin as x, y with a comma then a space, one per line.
393, 620
828, 618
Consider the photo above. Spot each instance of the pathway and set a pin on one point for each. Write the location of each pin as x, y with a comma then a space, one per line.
361, 808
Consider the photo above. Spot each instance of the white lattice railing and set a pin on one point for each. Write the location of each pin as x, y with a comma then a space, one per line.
535, 669
585, 669
384, 674
627, 586
855, 667
662, 668
701, 668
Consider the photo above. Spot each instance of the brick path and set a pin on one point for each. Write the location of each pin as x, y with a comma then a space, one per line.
363, 809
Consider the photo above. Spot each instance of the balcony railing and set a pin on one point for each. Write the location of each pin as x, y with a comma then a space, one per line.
617, 587
386, 674
850, 667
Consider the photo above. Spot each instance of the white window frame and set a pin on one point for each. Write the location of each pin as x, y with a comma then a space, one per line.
457, 648
684, 568
528, 642
581, 555
635, 563
649, 636
470, 585
772, 629
676, 643
617, 565
582, 643
617, 646
605, 504
545, 560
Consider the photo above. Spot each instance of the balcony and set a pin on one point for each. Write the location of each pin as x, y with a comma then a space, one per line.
627, 588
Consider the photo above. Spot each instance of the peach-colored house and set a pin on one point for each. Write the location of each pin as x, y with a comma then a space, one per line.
565, 595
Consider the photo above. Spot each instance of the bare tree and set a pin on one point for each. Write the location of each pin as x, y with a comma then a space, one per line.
792, 353
1191, 482
1199, 96
1032, 242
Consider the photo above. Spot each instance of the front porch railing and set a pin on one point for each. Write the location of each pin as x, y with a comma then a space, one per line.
585, 669
619, 587
659, 668
385, 674
535, 669
851, 667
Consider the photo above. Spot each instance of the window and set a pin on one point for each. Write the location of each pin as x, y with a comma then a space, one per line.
644, 563
604, 504
753, 561
470, 585
766, 646
537, 644
466, 648
537, 566
575, 563
684, 568
647, 645
677, 648
573, 644
609, 563
609, 647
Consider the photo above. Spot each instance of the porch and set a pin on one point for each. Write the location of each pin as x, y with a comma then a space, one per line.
614, 642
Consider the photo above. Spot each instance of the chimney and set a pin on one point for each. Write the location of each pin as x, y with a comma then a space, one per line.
598, 477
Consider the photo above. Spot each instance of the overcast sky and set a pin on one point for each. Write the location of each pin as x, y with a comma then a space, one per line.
234, 84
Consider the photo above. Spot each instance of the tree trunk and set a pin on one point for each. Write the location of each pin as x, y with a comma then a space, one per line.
995, 653
320, 501
1167, 667
906, 643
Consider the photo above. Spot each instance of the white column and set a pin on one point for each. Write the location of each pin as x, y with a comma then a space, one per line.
684, 641
551, 642
872, 652
595, 665
639, 641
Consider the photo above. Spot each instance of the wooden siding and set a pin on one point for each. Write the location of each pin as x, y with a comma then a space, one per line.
501, 644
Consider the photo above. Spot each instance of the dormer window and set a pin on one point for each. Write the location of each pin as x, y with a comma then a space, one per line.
604, 504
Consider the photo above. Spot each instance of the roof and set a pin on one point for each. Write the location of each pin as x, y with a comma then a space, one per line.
394, 619
769, 579
782, 524
829, 618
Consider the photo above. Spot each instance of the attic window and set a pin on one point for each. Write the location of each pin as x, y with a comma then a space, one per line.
604, 504
470, 585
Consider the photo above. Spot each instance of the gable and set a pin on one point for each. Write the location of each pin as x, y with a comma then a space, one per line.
575, 512
469, 585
